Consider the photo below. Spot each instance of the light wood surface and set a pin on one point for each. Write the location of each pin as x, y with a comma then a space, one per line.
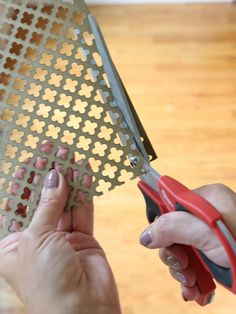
178, 63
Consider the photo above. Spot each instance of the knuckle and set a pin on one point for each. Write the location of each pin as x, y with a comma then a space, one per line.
215, 188
27, 235
219, 187
163, 224
49, 200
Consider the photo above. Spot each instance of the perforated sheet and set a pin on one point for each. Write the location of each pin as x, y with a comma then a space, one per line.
56, 108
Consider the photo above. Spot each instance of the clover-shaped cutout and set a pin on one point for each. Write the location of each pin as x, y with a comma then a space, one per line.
15, 226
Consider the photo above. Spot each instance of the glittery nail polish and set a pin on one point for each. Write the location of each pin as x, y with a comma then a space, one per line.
146, 237
181, 278
173, 263
52, 180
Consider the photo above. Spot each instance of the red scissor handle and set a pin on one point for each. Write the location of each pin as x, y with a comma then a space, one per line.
173, 196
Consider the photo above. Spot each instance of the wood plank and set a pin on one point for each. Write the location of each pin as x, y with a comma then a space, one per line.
178, 63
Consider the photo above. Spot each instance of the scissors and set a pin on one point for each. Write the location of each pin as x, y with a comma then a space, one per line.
164, 194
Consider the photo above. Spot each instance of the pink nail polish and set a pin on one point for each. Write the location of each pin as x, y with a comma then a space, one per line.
146, 237
173, 263
181, 278
52, 180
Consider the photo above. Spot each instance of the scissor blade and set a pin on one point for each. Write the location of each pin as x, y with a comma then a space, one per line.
146, 142
120, 95
150, 176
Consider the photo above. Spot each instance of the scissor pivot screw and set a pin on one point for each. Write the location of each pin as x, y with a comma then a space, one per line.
134, 162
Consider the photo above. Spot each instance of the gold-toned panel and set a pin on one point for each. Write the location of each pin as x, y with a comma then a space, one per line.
56, 109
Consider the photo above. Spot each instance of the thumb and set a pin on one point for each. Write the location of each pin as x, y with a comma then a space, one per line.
180, 228
52, 203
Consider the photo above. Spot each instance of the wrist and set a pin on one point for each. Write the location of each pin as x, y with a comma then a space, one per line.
58, 305
46, 309
101, 310
68, 304
60, 309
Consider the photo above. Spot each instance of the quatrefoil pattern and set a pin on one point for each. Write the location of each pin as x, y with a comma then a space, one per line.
56, 109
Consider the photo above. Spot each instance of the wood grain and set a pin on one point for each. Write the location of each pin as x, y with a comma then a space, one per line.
178, 63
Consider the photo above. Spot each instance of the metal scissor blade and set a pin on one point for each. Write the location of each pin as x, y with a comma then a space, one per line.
150, 176
120, 95
146, 142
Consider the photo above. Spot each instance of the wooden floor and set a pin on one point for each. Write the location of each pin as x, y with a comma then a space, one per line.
179, 65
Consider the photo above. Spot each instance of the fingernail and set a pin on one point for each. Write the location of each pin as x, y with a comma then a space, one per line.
146, 237
184, 298
52, 180
181, 278
173, 263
